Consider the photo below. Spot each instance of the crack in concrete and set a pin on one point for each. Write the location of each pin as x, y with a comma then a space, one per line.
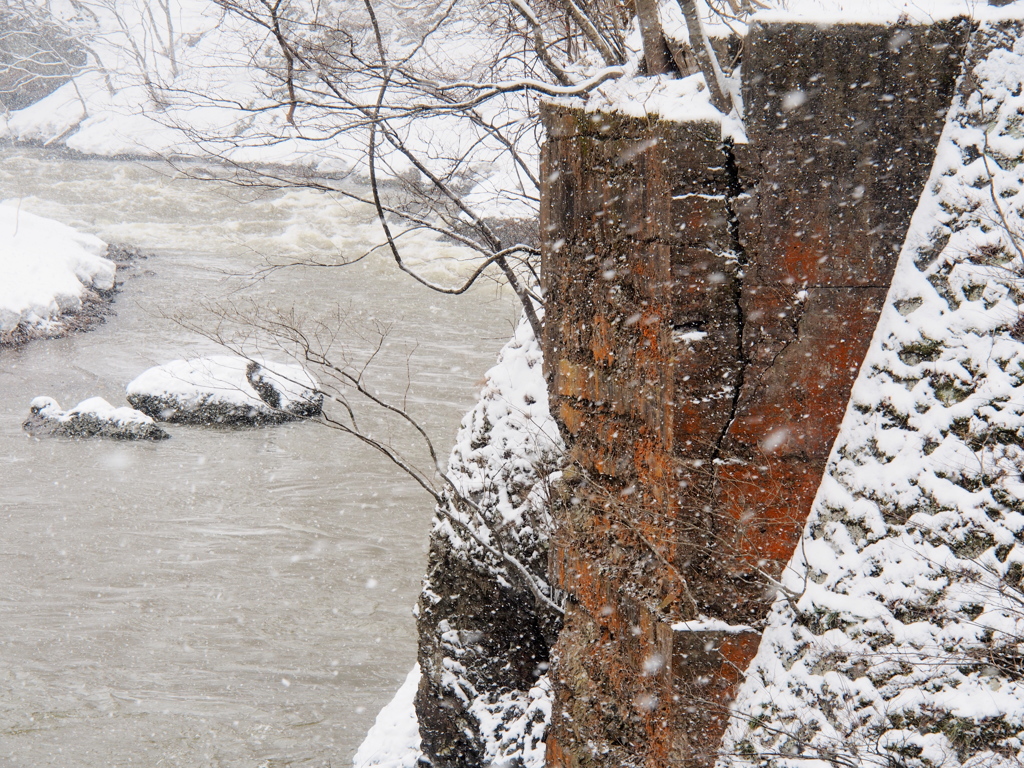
799, 312
735, 191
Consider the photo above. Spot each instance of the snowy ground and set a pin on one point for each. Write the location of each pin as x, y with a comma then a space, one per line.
394, 739
48, 271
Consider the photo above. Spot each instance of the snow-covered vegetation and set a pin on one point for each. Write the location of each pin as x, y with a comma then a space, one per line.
897, 639
507, 453
48, 273
506, 456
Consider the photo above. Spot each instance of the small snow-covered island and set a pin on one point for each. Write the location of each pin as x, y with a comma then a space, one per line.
227, 390
744, 489
94, 417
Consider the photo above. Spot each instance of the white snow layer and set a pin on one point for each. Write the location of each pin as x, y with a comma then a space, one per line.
47, 269
394, 739
684, 99
897, 640
504, 456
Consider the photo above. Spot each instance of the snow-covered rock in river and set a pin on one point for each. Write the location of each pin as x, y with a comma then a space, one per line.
94, 417
227, 390
50, 274
899, 638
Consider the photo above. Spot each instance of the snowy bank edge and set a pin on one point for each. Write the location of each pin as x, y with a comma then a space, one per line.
56, 278
393, 740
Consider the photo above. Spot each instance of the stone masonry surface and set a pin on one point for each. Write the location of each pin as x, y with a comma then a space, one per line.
708, 307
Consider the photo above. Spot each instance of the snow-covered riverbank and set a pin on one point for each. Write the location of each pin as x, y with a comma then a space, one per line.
52, 278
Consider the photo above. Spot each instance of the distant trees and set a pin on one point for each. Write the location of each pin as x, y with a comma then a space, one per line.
37, 56
46, 43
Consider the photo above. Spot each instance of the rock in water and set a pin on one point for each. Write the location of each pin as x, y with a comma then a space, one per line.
94, 417
282, 388
226, 390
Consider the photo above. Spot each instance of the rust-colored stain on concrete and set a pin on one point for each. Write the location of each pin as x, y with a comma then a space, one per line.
708, 308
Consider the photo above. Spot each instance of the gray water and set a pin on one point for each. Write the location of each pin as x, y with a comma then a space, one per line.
222, 598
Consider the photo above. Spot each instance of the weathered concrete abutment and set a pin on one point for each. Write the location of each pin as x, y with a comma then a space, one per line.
708, 306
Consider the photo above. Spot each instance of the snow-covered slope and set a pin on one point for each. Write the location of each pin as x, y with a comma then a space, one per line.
48, 271
899, 636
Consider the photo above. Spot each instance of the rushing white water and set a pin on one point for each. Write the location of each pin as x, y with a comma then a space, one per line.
223, 598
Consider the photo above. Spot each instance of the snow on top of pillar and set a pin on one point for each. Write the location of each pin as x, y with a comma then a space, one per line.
665, 97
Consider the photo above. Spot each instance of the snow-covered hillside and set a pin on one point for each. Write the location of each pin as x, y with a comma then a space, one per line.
898, 636
188, 78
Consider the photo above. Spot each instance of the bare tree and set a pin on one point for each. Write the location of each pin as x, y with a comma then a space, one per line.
447, 134
353, 406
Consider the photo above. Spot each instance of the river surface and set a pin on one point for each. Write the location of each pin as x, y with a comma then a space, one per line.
222, 598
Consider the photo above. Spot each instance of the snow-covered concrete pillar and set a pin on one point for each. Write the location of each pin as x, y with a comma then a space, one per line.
708, 307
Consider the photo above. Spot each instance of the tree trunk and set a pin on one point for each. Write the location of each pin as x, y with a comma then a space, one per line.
656, 52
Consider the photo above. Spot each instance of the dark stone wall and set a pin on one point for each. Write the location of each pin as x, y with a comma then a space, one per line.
708, 307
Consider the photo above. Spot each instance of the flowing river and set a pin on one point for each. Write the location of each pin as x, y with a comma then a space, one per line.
225, 597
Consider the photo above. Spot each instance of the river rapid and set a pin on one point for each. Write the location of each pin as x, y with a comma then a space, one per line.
225, 597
